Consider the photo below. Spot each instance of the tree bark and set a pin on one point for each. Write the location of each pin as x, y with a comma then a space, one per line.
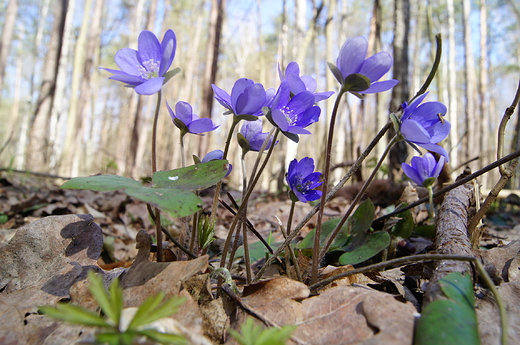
401, 92
7, 36
38, 153
215, 35
469, 71
452, 86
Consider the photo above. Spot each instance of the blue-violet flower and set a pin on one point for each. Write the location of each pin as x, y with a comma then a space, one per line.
216, 155
292, 115
351, 60
423, 170
303, 180
251, 131
188, 122
299, 83
247, 97
143, 69
424, 125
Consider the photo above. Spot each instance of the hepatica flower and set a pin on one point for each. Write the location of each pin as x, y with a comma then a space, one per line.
188, 122
293, 115
216, 155
299, 83
247, 97
361, 75
424, 170
424, 125
144, 69
251, 137
303, 181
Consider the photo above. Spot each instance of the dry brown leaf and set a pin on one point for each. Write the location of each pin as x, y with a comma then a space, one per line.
340, 315
505, 259
146, 278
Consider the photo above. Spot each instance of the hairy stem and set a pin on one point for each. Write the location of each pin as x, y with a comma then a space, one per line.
158, 232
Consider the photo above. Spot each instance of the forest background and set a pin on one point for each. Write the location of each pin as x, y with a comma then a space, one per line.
60, 114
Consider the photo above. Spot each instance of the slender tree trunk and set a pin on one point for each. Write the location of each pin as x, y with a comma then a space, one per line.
215, 35
452, 86
38, 154
7, 36
401, 92
470, 91
484, 144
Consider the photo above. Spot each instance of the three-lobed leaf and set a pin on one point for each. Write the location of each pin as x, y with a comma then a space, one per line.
74, 314
193, 177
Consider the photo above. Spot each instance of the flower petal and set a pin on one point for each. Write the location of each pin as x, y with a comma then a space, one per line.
222, 97
380, 86
352, 55
251, 101
184, 112
376, 66
128, 61
297, 130
168, 47
414, 132
412, 173
280, 120
301, 102
201, 126
150, 86
238, 89
149, 47
439, 132
128, 79
412, 106
213, 155
436, 148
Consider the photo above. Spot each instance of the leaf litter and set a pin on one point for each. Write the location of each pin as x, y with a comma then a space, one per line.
51, 237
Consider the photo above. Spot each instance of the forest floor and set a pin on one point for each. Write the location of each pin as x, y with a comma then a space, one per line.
47, 243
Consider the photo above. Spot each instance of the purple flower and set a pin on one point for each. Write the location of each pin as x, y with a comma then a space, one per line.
298, 84
144, 69
424, 170
216, 155
188, 122
424, 125
292, 115
247, 97
351, 61
303, 180
251, 137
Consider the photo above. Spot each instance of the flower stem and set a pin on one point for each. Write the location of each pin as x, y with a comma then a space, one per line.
158, 232
288, 253
431, 212
338, 227
218, 187
183, 152
315, 209
244, 223
243, 205
326, 174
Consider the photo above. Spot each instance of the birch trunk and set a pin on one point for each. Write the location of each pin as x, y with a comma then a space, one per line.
38, 153
452, 87
7, 36
469, 71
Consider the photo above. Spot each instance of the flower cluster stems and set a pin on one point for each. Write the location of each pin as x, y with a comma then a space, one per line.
326, 174
158, 232
358, 197
246, 196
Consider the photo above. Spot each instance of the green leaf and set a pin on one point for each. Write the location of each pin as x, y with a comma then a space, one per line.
426, 230
336, 72
100, 183
453, 320
365, 248
247, 117
326, 229
150, 310
404, 226
163, 338
144, 314
170, 74
257, 250
116, 299
252, 334
362, 218
176, 203
116, 338
356, 83
193, 177
74, 314
291, 136
97, 288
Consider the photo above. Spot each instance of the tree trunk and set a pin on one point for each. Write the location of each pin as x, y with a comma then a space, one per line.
215, 35
38, 155
7, 36
400, 92
485, 145
469, 71
452, 86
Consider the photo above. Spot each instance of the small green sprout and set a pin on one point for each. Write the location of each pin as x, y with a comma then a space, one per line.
114, 329
252, 334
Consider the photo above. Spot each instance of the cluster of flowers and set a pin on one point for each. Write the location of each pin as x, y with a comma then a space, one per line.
291, 108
